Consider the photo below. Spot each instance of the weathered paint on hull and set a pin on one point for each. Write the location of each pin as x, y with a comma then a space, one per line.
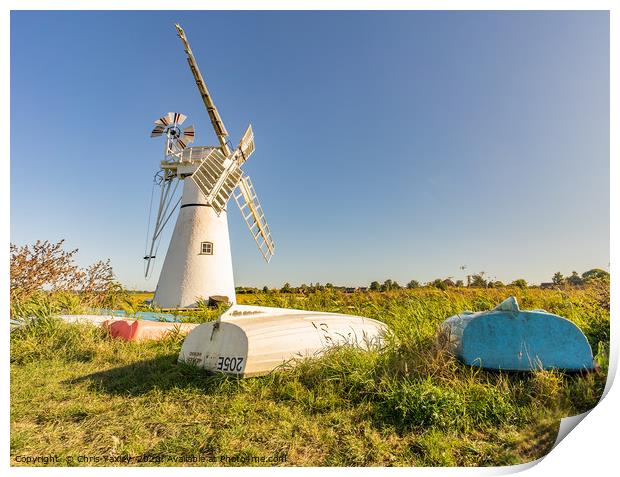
510, 339
251, 340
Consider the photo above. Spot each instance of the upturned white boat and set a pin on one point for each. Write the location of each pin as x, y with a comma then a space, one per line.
254, 340
88, 319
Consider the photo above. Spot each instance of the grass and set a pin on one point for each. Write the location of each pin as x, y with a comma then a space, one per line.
77, 392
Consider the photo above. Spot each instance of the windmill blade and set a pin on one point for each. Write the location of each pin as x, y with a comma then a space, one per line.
165, 120
183, 141
178, 118
188, 134
180, 144
214, 115
216, 177
254, 217
246, 145
171, 118
158, 131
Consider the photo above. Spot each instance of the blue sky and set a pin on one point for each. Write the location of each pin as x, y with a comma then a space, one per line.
389, 144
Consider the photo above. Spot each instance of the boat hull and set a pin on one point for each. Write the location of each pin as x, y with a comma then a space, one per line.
507, 338
144, 330
250, 340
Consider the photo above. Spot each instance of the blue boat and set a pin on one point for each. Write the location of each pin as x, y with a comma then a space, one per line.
510, 339
140, 315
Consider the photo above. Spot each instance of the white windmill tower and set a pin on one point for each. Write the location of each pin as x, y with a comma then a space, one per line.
198, 263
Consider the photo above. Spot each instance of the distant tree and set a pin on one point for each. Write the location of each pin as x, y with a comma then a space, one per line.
438, 283
520, 283
265, 289
498, 284
387, 285
413, 284
574, 279
558, 279
448, 282
375, 286
395, 285
478, 281
286, 288
595, 274
459, 283
329, 285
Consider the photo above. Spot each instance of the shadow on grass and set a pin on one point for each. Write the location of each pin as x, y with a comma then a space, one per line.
535, 441
161, 373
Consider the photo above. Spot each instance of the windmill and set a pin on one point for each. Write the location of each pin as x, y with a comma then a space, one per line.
198, 262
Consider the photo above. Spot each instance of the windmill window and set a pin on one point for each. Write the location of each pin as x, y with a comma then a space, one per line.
206, 248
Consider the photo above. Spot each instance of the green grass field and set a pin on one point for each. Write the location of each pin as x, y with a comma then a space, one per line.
85, 399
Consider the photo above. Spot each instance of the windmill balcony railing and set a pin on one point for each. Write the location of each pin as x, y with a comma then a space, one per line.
196, 153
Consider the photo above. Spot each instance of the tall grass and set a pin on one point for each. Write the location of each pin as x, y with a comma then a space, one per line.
76, 390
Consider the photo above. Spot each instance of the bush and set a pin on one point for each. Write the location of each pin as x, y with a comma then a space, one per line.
520, 283
413, 284
45, 280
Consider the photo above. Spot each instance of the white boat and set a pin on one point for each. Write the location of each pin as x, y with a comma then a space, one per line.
254, 340
90, 319
81, 319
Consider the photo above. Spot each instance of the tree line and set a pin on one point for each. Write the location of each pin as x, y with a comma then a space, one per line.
476, 280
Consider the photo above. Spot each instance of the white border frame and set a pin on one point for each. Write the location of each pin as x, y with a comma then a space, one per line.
591, 449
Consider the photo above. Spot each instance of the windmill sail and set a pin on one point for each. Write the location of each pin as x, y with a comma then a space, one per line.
219, 174
246, 145
216, 177
254, 217
214, 115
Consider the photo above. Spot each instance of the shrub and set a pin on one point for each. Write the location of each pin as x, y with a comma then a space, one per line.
45, 280
519, 283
